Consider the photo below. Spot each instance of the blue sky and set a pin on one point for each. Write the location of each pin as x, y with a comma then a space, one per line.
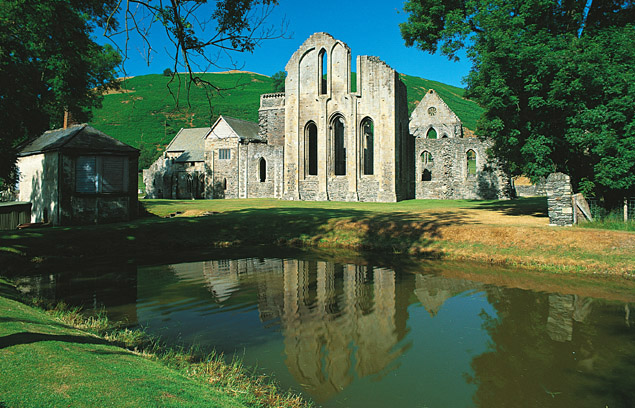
369, 27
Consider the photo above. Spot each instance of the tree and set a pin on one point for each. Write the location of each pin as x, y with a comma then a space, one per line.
556, 80
278, 80
167, 72
202, 33
48, 65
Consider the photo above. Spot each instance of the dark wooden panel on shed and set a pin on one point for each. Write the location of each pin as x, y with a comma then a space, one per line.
13, 214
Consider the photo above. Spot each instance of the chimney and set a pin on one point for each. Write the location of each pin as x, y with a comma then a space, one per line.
68, 119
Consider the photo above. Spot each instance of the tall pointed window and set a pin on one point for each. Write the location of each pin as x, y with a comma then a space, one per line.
432, 134
368, 145
471, 162
310, 149
338, 129
263, 169
323, 72
426, 166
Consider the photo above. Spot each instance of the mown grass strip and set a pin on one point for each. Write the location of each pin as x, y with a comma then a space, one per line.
62, 358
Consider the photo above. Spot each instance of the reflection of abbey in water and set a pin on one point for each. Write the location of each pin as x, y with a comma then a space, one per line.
339, 321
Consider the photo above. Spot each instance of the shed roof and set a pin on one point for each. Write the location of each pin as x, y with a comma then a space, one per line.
191, 142
243, 129
77, 137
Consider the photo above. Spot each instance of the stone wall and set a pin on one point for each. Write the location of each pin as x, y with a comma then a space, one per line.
559, 199
524, 188
271, 118
250, 156
433, 113
168, 179
222, 176
448, 176
312, 101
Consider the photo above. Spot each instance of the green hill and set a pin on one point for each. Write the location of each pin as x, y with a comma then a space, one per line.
144, 114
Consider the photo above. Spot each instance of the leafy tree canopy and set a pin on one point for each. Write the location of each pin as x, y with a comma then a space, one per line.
278, 81
556, 78
48, 64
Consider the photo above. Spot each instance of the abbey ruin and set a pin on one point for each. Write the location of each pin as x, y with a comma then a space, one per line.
327, 138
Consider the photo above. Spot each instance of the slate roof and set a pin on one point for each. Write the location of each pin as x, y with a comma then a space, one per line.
191, 142
244, 129
77, 137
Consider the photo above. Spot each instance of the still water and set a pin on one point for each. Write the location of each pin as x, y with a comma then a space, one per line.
361, 335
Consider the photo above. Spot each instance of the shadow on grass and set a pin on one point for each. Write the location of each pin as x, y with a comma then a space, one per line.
534, 206
29, 338
356, 229
29, 321
143, 239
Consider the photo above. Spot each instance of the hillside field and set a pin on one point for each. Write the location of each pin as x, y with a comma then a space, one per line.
149, 110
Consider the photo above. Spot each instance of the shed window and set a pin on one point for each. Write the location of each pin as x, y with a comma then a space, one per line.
432, 134
263, 170
471, 163
368, 142
101, 174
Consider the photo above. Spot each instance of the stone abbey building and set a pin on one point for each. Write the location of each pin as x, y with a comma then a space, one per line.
327, 138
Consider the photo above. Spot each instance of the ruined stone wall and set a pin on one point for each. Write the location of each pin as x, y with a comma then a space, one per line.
380, 97
559, 201
168, 179
433, 113
524, 188
250, 156
449, 178
271, 118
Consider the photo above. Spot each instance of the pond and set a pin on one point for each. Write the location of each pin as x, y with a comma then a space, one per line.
365, 334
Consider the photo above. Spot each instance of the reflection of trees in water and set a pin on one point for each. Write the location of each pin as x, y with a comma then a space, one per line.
555, 350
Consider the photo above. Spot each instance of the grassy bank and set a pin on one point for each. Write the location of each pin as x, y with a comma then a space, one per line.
60, 358
499, 232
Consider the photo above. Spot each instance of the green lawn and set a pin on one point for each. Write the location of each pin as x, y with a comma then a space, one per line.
46, 363
339, 208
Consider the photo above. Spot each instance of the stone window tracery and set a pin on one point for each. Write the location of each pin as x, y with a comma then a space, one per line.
368, 145
310, 149
338, 131
471, 162
432, 111
262, 167
323, 72
427, 162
